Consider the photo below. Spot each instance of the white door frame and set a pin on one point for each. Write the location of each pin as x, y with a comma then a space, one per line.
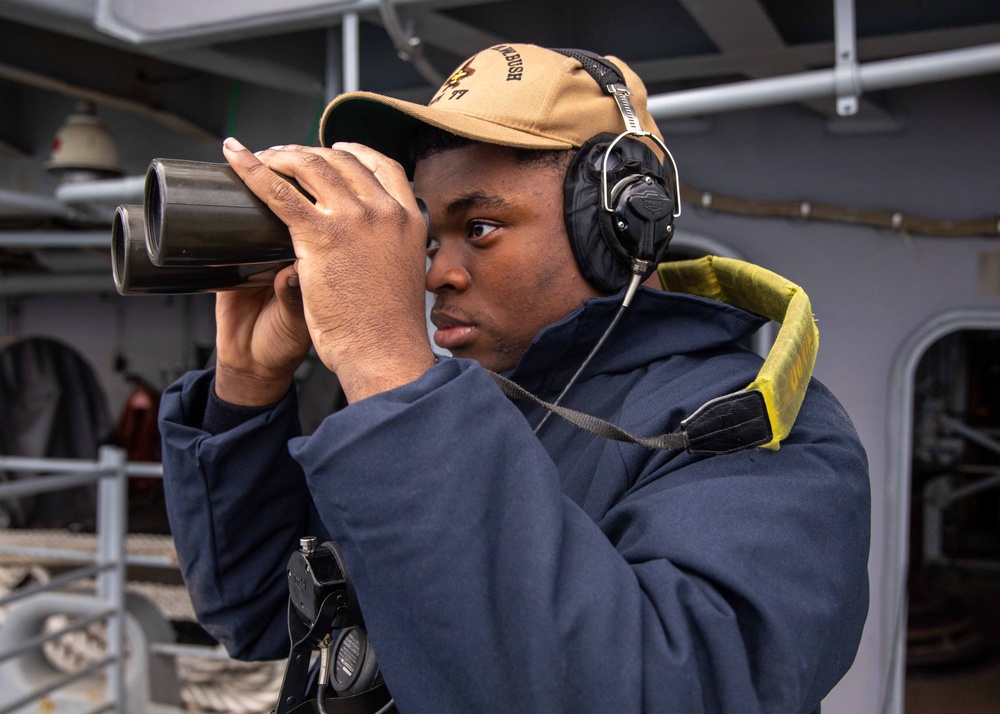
897, 484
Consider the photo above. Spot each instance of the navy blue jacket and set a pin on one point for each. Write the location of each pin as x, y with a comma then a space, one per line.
500, 572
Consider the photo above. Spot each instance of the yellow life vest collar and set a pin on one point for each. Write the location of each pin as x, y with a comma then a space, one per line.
784, 376
762, 414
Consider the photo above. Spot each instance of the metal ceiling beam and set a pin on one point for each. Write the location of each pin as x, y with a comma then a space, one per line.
872, 77
744, 29
741, 27
444, 33
815, 54
74, 18
12, 151
278, 21
247, 68
912, 43
50, 84
68, 17
451, 35
409, 46
465, 40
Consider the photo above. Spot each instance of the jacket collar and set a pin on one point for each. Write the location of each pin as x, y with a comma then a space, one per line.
657, 324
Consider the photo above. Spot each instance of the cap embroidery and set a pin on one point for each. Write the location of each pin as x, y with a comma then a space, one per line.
452, 82
515, 65
460, 74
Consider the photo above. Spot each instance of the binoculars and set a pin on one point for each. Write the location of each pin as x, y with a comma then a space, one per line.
200, 229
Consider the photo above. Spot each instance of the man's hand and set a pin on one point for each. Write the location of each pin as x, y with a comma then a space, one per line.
261, 339
360, 251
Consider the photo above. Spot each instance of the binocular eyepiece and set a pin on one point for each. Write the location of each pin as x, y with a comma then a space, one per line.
200, 229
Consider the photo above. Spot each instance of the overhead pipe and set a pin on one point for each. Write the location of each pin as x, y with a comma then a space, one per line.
34, 204
128, 189
71, 201
25, 285
788, 89
55, 239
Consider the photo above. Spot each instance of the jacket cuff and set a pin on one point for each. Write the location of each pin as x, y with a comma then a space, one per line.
221, 416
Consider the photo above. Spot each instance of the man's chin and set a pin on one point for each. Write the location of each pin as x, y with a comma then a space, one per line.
486, 360
491, 359
492, 362
467, 353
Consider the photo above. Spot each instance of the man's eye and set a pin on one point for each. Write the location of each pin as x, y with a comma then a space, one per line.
432, 246
478, 230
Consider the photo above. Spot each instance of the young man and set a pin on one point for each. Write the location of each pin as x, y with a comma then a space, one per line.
497, 569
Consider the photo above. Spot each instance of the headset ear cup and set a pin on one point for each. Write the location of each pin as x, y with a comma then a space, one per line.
587, 224
643, 215
603, 250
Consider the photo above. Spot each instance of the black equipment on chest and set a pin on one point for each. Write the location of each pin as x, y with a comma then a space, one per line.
619, 203
321, 601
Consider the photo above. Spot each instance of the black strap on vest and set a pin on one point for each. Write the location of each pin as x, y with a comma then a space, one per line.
720, 426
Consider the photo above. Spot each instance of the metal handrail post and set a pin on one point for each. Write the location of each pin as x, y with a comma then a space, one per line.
845, 68
352, 52
111, 526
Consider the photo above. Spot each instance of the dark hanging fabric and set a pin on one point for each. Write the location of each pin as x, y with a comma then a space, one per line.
51, 405
138, 434
137, 431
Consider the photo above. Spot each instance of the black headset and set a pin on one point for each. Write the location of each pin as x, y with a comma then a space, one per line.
618, 198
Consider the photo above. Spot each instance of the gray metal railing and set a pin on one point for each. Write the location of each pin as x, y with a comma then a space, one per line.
110, 472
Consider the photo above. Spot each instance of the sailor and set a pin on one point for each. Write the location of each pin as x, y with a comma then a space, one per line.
504, 564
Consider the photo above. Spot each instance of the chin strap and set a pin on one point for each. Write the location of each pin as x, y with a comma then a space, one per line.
761, 415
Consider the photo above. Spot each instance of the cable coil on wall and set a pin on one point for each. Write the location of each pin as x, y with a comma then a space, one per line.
807, 210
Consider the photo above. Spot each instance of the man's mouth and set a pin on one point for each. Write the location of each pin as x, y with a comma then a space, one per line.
451, 333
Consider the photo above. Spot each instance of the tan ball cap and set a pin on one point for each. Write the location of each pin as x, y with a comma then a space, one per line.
519, 95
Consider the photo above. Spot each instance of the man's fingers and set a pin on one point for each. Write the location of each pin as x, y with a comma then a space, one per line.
279, 195
390, 174
354, 168
320, 174
287, 289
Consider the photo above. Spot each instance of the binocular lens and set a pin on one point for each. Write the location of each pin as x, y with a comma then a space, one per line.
200, 213
135, 274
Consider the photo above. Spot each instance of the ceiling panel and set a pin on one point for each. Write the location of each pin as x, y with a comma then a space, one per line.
801, 22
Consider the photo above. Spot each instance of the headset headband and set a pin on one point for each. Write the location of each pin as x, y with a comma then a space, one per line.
610, 80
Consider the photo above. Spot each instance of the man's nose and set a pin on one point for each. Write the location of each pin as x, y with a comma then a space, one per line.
446, 271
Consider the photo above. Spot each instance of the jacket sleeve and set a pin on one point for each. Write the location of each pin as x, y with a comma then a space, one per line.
237, 505
733, 584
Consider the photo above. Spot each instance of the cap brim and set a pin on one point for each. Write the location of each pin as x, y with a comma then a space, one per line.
389, 125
